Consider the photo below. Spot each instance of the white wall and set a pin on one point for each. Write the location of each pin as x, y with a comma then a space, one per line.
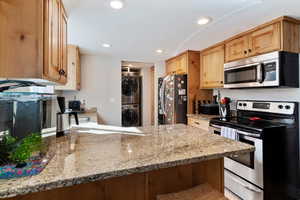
101, 87
160, 68
146, 96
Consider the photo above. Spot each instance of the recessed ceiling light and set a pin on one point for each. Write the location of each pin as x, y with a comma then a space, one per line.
204, 20
106, 45
159, 51
116, 4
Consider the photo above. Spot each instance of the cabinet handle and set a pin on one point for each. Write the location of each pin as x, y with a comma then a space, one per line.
61, 72
197, 123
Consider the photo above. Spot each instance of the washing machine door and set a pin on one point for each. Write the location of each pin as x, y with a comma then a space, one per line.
130, 117
130, 90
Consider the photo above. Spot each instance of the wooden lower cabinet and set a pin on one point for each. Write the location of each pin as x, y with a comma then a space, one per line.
144, 186
33, 38
212, 67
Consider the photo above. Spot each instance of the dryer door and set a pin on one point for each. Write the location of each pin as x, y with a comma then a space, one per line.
130, 90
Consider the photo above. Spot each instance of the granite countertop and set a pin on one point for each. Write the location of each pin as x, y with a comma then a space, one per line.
85, 157
202, 116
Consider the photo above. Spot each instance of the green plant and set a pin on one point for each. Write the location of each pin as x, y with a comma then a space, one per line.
24, 148
7, 144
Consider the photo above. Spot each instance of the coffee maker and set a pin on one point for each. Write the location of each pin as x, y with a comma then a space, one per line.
63, 118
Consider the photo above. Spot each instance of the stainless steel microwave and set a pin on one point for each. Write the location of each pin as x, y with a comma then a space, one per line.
276, 69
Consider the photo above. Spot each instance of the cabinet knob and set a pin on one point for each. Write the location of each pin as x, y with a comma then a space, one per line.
61, 72
249, 50
245, 52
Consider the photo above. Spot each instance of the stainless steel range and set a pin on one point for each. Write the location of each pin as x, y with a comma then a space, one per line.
271, 172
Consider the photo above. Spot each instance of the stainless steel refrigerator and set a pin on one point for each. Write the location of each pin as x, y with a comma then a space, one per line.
172, 99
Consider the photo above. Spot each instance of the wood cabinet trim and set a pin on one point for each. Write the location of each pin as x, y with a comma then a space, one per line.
185, 52
279, 19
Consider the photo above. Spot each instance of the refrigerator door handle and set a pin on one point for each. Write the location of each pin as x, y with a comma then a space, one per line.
162, 96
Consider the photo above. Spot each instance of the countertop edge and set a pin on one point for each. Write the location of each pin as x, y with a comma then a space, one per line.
114, 174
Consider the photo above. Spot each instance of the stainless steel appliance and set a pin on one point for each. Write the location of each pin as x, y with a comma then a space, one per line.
271, 172
276, 69
24, 113
172, 99
131, 89
64, 118
131, 115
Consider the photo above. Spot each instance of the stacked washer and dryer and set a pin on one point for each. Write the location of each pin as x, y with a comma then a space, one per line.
131, 98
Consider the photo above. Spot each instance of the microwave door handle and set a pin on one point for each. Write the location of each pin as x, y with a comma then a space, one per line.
260, 73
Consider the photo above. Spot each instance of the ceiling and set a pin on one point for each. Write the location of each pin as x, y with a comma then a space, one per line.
143, 26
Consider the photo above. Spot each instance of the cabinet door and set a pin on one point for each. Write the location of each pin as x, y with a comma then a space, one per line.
265, 40
64, 47
52, 40
182, 64
212, 68
236, 49
171, 66
78, 70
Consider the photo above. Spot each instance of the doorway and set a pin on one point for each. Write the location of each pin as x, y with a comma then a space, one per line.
137, 94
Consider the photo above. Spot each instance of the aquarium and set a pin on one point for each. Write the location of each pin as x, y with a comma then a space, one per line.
23, 118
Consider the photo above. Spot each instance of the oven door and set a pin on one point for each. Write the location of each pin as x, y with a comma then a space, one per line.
249, 165
242, 188
244, 76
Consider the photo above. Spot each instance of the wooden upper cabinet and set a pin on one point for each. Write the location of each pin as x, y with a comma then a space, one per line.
55, 60
78, 69
282, 34
188, 63
237, 48
171, 66
33, 37
181, 66
52, 43
265, 40
212, 67
21, 38
177, 65
74, 70
64, 46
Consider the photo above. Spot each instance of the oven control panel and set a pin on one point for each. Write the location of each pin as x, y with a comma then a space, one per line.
286, 108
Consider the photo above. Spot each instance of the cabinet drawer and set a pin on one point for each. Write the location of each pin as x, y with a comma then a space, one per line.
199, 123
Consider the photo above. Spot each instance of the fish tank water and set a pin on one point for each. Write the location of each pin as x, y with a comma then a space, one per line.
23, 117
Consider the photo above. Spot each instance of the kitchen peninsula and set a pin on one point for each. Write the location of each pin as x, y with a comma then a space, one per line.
132, 165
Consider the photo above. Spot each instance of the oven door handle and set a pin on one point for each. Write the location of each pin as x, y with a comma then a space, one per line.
246, 186
219, 128
216, 126
248, 134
